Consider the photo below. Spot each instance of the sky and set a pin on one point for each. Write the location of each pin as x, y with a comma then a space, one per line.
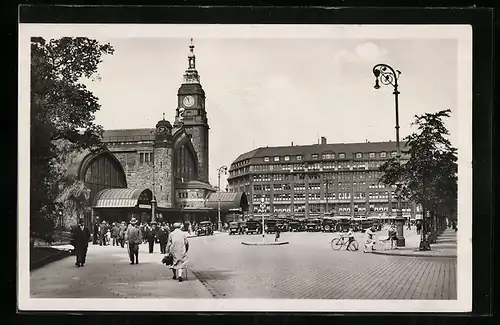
271, 92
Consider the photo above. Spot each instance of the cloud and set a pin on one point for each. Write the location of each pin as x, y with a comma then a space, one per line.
365, 52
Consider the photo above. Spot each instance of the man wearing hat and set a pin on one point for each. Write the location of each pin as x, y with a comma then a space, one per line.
134, 237
121, 233
96, 231
178, 247
80, 240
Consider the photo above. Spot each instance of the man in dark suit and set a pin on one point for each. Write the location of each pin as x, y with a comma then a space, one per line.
96, 231
81, 237
162, 236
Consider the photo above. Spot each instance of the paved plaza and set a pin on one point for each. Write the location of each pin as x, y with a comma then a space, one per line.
221, 267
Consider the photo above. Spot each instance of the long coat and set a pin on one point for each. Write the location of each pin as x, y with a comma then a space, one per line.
162, 235
178, 246
80, 237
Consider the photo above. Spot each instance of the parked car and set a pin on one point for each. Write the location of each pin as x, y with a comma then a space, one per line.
282, 225
313, 225
253, 227
328, 225
205, 228
343, 225
270, 226
235, 228
294, 226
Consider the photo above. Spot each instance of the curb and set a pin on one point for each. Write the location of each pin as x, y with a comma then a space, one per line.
49, 259
414, 254
265, 244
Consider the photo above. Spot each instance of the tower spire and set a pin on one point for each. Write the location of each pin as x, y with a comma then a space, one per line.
191, 75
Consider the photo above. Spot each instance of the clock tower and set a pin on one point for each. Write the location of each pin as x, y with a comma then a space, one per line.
191, 114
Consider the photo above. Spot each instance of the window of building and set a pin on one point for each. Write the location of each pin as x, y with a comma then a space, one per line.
393, 154
315, 156
383, 154
299, 157
266, 159
359, 155
341, 155
276, 158
287, 158
372, 154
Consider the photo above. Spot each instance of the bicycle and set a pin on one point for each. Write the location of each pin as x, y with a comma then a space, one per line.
338, 243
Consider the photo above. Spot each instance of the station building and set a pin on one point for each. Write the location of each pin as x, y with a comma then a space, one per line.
314, 181
166, 162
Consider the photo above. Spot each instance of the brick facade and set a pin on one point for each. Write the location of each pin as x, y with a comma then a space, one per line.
199, 139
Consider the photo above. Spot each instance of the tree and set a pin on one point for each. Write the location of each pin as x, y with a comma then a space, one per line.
62, 112
429, 176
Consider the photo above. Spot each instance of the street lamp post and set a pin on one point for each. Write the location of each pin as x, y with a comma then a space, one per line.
386, 75
263, 210
222, 169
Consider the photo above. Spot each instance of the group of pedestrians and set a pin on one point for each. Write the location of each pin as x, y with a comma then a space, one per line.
173, 244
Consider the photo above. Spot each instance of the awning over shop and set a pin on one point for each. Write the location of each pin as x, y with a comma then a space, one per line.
122, 198
228, 201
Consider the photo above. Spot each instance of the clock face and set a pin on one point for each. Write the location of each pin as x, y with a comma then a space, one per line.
188, 101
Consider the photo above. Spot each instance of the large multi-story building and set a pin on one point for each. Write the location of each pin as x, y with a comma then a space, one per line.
324, 179
165, 166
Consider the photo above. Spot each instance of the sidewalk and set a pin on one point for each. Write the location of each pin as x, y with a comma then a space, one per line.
108, 274
445, 246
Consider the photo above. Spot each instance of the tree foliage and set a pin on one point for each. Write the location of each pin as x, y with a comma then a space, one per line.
62, 117
429, 176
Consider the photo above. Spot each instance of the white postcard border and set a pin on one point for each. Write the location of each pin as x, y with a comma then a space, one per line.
463, 33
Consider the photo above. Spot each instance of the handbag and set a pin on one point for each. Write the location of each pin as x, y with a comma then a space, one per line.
168, 260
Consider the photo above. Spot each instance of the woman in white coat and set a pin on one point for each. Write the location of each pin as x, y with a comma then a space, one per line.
178, 247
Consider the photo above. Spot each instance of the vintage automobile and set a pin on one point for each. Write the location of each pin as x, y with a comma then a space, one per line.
294, 226
253, 227
282, 225
235, 228
313, 225
205, 228
328, 225
270, 226
343, 225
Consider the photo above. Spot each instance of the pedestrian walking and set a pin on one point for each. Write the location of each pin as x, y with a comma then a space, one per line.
151, 237
277, 234
162, 236
178, 247
102, 234
114, 234
133, 237
80, 240
121, 233
419, 226
95, 239
370, 239
392, 236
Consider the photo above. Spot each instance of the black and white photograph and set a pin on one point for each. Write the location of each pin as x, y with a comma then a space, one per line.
245, 167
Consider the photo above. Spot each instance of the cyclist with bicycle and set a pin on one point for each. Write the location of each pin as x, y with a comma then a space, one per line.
350, 236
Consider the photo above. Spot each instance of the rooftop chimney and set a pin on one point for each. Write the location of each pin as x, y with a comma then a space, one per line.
291, 144
323, 140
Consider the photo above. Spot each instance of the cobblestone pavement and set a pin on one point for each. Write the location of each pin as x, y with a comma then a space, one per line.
309, 268
306, 268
